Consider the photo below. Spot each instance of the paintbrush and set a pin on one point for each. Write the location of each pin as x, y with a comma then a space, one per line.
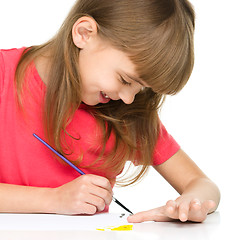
74, 167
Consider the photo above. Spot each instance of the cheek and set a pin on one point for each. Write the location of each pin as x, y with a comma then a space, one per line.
86, 67
97, 75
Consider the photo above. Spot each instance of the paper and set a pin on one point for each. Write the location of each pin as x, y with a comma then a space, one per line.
52, 222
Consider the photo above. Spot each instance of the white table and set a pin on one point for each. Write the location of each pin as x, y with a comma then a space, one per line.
56, 227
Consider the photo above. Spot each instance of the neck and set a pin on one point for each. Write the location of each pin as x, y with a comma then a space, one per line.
42, 64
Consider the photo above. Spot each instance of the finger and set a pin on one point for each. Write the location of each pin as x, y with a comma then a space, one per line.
199, 211
151, 215
195, 205
101, 193
184, 211
87, 208
195, 213
171, 209
101, 182
96, 201
207, 206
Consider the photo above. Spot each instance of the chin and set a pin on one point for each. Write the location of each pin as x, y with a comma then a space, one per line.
89, 103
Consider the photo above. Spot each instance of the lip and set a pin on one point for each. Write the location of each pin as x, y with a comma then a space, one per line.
103, 99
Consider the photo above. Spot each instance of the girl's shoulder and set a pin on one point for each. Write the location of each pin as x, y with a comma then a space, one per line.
11, 56
8, 63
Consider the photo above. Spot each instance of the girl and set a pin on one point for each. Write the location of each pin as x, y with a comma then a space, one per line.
93, 92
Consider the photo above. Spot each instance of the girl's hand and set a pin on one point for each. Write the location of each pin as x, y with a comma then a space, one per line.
86, 194
181, 209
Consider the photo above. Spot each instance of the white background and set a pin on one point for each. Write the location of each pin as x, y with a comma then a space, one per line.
197, 117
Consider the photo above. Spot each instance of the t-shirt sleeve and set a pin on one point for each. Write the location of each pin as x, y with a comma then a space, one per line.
165, 148
2, 67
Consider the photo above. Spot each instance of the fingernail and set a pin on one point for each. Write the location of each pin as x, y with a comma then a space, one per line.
197, 202
183, 217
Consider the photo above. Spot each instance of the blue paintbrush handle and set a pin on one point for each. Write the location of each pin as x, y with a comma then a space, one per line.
58, 154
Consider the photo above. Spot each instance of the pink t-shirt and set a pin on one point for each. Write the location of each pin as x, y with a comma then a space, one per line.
24, 160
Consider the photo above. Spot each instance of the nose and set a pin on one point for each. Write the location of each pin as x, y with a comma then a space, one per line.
127, 98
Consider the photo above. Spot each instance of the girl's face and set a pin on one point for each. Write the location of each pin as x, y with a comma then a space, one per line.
107, 73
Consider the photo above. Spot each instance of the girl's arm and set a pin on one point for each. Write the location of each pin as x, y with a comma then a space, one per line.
86, 194
24, 199
199, 196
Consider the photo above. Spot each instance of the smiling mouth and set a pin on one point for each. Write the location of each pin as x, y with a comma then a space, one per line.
104, 98
105, 95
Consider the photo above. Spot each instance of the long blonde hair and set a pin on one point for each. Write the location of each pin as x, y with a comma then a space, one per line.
157, 35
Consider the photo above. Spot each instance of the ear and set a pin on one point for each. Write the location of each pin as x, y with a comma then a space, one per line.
82, 31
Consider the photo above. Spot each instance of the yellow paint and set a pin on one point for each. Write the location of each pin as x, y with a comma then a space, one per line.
120, 228
123, 228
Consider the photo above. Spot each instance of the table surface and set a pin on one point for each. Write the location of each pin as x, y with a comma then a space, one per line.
61, 228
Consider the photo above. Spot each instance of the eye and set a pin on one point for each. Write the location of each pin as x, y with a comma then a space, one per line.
124, 82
